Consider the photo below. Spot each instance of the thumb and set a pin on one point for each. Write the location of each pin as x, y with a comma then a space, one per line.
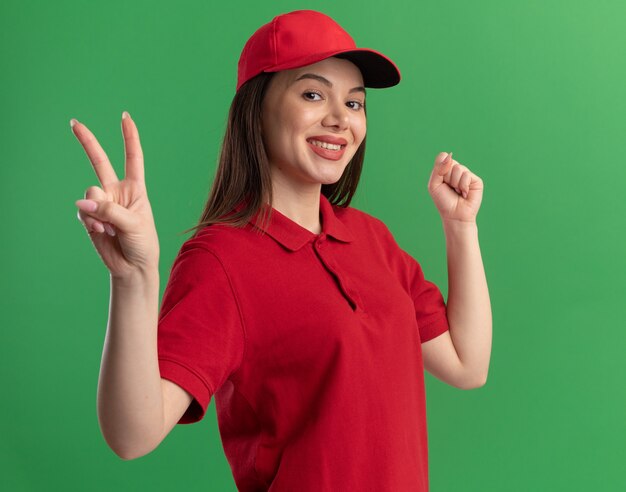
107, 211
443, 162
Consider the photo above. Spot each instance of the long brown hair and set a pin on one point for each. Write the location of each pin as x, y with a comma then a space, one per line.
243, 172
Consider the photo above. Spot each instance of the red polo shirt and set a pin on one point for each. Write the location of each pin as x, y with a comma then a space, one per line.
311, 346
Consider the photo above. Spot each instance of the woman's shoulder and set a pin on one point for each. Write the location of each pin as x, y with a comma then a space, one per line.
218, 238
359, 221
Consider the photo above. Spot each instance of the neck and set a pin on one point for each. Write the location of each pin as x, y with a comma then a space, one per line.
301, 206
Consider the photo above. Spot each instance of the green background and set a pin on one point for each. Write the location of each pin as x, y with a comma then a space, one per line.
530, 96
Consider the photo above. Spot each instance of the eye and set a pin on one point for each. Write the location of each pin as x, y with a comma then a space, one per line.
359, 103
311, 92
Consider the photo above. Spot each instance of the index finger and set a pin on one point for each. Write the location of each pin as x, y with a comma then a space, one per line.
98, 158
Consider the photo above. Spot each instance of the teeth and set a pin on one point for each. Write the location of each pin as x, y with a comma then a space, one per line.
325, 145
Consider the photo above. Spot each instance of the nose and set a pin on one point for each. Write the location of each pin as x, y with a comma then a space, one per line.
337, 116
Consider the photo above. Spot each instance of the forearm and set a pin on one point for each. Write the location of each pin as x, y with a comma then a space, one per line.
130, 398
468, 305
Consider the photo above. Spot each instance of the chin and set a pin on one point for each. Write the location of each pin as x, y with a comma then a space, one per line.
329, 180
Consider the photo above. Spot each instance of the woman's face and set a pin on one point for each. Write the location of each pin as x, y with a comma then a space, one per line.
322, 102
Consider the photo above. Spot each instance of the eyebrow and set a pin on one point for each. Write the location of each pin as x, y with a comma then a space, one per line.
327, 82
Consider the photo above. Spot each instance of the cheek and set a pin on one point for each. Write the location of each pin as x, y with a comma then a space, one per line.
360, 129
301, 120
273, 131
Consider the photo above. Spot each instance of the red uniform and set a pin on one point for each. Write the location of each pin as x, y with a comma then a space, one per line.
311, 346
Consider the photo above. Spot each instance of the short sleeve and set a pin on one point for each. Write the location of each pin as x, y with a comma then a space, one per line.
430, 308
200, 332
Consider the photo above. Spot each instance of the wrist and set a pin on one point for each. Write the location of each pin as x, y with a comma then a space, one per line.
459, 225
136, 277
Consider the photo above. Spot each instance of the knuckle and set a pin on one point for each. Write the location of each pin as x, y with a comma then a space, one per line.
99, 160
134, 154
92, 192
87, 222
84, 218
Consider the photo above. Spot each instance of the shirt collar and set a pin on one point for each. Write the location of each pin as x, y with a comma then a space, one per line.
293, 236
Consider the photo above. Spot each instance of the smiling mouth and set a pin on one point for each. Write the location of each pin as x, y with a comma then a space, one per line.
325, 145
326, 151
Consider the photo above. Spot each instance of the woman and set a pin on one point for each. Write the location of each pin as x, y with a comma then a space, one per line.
305, 319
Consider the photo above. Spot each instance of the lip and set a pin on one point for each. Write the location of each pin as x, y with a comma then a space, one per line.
332, 155
329, 139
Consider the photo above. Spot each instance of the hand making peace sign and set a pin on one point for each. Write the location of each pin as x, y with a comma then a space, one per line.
130, 244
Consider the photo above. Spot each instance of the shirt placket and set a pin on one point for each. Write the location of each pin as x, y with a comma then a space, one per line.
320, 246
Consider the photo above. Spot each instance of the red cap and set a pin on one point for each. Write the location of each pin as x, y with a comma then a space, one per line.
303, 37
